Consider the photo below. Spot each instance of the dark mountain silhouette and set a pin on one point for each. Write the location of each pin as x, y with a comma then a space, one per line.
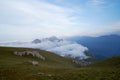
101, 47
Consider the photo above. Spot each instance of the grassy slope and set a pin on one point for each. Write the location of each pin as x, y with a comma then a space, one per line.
14, 67
113, 62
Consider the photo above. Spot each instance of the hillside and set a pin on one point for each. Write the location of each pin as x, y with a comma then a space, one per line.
113, 62
7, 57
54, 67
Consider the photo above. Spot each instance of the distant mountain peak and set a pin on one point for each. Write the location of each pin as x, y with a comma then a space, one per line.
36, 41
52, 39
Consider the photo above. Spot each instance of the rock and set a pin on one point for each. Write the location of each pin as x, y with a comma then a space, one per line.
33, 53
34, 62
81, 63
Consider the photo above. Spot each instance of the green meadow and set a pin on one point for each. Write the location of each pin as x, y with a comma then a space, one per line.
54, 67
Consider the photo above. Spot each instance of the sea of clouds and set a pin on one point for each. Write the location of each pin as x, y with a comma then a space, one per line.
62, 47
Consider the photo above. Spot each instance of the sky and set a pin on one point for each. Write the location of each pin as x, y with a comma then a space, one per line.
25, 20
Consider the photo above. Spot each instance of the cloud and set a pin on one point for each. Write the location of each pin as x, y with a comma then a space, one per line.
115, 28
97, 2
41, 11
98, 5
58, 46
28, 19
36, 14
116, 25
71, 49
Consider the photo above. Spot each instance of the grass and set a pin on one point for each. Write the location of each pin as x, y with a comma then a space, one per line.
14, 67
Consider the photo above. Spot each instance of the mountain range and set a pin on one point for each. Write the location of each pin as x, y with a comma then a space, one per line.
101, 47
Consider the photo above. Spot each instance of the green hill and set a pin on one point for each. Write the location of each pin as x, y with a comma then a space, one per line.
113, 62
54, 67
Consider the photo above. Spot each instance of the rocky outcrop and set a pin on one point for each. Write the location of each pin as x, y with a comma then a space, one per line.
81, 63
33, 53
35, 63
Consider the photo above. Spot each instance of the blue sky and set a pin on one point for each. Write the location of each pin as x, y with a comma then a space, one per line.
30, 19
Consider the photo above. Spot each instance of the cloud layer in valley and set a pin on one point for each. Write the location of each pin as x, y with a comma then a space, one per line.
58, 46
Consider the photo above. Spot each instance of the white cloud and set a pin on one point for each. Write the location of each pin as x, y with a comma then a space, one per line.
29, 19
38, 14
58, 46
71, 49
113, 28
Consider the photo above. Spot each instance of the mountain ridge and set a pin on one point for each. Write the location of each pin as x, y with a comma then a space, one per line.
102, 47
